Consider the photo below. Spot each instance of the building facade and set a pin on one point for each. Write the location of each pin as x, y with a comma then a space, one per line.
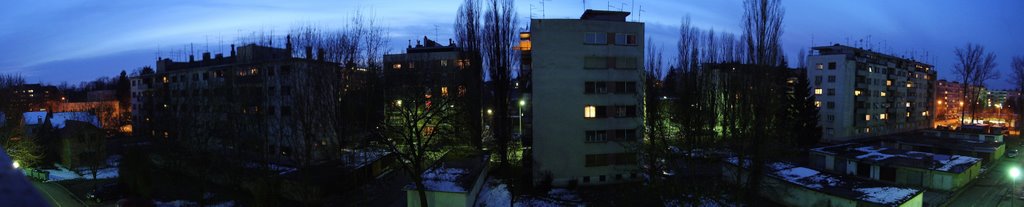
862, 93
585, 75
262, 99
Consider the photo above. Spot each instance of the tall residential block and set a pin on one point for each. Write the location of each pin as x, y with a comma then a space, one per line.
586, 100
862, 93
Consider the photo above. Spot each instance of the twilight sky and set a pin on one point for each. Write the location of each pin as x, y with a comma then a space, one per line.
79, 40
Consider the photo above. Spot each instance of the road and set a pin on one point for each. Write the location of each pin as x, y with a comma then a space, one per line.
57, 195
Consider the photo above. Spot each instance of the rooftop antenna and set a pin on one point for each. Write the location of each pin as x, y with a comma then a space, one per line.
207, 43
543, 11
436, 33
639, 12
584, 5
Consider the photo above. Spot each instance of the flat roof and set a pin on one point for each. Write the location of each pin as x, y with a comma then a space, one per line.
849, 187
897, 157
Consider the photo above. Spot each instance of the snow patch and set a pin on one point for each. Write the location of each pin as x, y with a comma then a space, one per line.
956, 160
444, 179
886, 195
62, 173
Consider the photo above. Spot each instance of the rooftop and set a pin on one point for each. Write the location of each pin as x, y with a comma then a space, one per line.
58, 119
896, 157
604, 15
849, 187
453, 176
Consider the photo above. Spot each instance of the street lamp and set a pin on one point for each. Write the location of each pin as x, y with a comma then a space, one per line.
15, 164
521, 104
1014, 173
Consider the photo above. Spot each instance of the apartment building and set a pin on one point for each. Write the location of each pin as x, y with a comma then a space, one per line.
261, 99
862, 93
585, 78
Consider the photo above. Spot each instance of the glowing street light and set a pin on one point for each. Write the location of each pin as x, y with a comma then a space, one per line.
1014, 173
522, 102
15, 164
490, 112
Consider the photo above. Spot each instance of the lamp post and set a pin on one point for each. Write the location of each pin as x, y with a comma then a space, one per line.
521, 104
1014, 173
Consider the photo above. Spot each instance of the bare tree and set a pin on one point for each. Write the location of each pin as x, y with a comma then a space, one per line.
1017, 79
499, 35
762, 29
467, 36
416, 131
801, 59
974, 67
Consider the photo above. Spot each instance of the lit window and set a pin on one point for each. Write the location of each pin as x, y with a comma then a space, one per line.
590, 112
888, 82
910, 84
867, 117
444, 91
396, 66
856, 92
867, 130
908, 104
444, 63
908, 114
820, 66
883, 116
817, 91
817, 104
412, 65
881, 93
33, 91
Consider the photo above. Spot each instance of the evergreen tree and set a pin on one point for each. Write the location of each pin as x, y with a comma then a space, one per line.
804, 111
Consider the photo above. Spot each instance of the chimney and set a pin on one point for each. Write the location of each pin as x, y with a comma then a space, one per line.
320, 54
219, 56
206, 56
232, 50
309, 53
191, 58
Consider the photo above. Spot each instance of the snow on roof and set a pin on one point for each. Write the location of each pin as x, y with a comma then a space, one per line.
838, 185
915, 159
359, 158
886, 194
58, 119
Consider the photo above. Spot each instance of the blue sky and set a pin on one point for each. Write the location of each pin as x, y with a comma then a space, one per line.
77, 40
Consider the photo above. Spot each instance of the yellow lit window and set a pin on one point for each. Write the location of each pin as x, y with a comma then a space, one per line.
817, 91
908, 104
33, 91
908, 114
817, 104
867, 130
444, 91
396, 66
589, 112
910, 84
881, 93
165, 79
888, 82
867, 117
883, 116
856, 92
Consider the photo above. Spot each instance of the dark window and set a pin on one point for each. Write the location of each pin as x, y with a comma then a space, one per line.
832, 65
589, 87
601, 87
831, 91
602, 111
286, 90
270, 72
602, 178
618, 176
830, 105
286, 111
863, 170
586, 179
285, 69
831, 79
206, 76
595, 38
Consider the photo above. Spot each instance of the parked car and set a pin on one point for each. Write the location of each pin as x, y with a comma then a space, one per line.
1012, 153
105, 193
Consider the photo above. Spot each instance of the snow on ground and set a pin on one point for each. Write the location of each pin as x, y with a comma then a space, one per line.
444, 179
184, 203
886, 195
62, 173
956, 160
495, 193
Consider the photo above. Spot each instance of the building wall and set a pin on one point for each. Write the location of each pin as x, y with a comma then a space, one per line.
270, 104
560, 145
867, 94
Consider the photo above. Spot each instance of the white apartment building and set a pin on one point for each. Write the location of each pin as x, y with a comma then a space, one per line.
861, 93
